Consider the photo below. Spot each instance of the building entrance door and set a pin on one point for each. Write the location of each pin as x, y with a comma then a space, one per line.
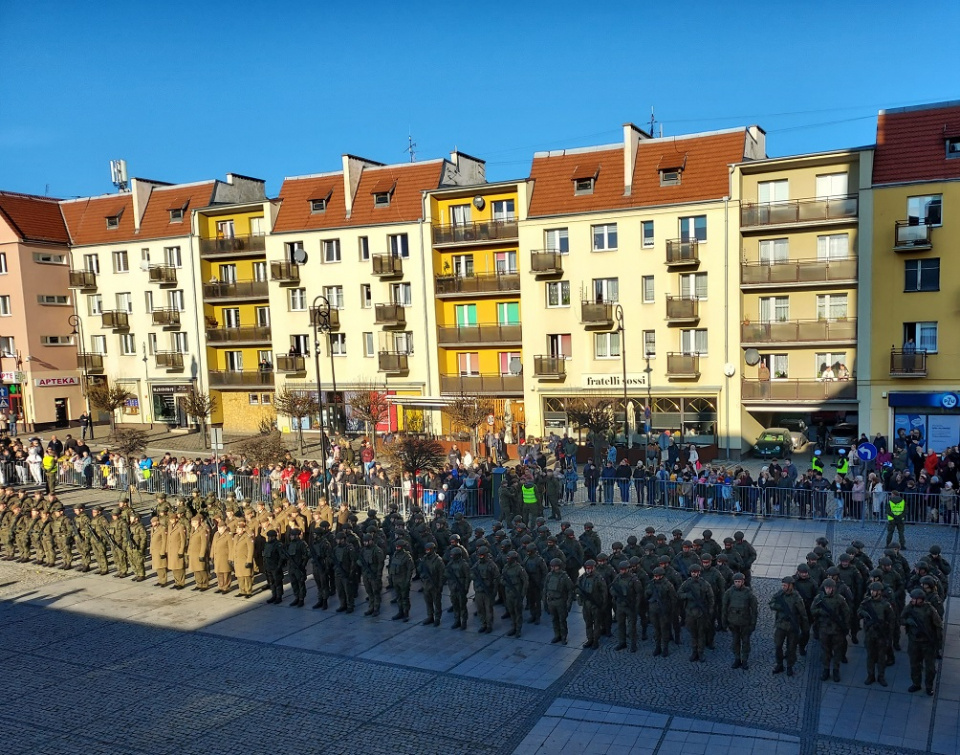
63, 415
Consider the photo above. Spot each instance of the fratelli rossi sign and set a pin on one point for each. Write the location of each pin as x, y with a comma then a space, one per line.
634, 380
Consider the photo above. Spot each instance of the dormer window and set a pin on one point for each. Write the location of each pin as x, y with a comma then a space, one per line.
383, 192
585, 178
318, 205
113, 222
670, 177
176, 215
382, 199
584, 186
953, 147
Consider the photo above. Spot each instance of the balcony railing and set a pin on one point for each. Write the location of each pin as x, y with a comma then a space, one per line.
683, 309
248, 334
799, 331
387, 266
390, 314
549, 367
243, 378
287, 363
168, 318
911, 237
284, 272
798, 211
237, 290
117, 319
239, 245
393, 361
683, 365
682, 252
171, 360
471, 233
483, 333
798, 272
908, 364
596, 314
479, 283
798, 390
546, 262
481, 383
90, 362
165, 275
83, 279
329, 314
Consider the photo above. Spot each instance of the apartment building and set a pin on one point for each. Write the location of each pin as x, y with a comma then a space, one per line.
355, 242
798, 246
37, 359
628, 248
476, 284
910, 362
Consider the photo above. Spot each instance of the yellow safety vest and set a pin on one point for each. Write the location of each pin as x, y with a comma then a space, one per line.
896, 509
529, 495
843, 467
816, 464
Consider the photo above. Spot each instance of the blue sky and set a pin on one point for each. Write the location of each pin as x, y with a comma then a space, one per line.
189, 91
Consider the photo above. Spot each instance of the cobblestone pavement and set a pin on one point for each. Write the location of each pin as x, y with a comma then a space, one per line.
103, 665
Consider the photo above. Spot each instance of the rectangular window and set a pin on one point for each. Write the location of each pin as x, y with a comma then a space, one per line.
334, 295
3, 263
369, 349
113, 222
922, 275
175, 300
263, 317
462, 266
300, 345
953, 147
646, 233
694, 341
233, 361
606, 290
604, 237
504, 210
650, 343
338, 344
53, 341
400, 294
381, 199
176, 215
835, 246
403, 342
318, 205
670, 177
364, 244
557, 240
125, 302
8, 348
148, 301
5, 310
829, 359
606, 345
693, 228
179, 342
253, 399
583, 186
266, 399
510, 362
831, 186
227, 273
778, 364
774, 251
98, 344
120, 262
55, 300
505, 262
773, 191
128, 345
293, 250
256, 226
49, 259
925, 210
298, 300
559, 345
508, 313
91, 263
144, 258
831, 306
466, 315
171, 256
225, 229
231, 317
260, 271
558, 294
152, 343
468, 363
95, 304
923, 334
366, 296
693, 285
646, 284
460, 214
399, 245
774, 308
331, 250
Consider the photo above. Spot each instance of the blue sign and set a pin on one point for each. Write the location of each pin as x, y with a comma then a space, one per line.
4, 391
867, 451
919, 400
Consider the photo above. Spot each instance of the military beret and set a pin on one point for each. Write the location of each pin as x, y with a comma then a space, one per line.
739, 576
658, 572
918, 593
828, 583
590, 562
555, 562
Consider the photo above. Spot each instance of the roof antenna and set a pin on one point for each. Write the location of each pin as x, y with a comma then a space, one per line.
411, 147
118, 175
653, 121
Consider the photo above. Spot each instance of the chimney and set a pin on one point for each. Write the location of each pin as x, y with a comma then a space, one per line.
755, 146
352, 170
140, 191
631, 142
469, 170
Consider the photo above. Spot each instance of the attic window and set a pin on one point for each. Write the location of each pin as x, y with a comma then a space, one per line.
382, 192
953, 147
670, 177
176, 215
318, 205
381, 199
583, 186
113, 222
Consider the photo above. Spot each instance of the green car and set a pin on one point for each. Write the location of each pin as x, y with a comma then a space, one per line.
773, 443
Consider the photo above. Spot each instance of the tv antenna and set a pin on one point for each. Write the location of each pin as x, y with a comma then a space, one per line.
411, 148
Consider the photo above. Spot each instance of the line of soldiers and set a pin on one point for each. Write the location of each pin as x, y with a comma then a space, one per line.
833, 602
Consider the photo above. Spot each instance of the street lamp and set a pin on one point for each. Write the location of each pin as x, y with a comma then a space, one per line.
648, 371
320, 319
76, 323
618, 313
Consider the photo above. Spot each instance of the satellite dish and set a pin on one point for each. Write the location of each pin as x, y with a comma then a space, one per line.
751, 357
729, 370
479, 203
516, 366
299, 256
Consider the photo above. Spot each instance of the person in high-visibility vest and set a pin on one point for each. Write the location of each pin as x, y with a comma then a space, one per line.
896, 514
816, 463
843, 465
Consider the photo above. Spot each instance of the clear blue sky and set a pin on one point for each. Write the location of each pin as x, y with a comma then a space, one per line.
189, 91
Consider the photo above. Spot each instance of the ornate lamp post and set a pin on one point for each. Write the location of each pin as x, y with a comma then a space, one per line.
76, 323
618, 313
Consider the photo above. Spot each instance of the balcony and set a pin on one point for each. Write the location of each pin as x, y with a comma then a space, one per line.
682, 310
239, 246
240, 378
683, 253
477, 383
85, 280
331, 316
478, 284
390, 315
117, 319
170, 360
387, 266
596, 314
165, 275
798, 212
797, 390
287, 363
475, 335
284, 272
553, 368
909, 364
546, 262
475, 233
798, 273
167, 318
89, 362
393, 362
249, 334
799, 331
236, 290
683, 366
911, 237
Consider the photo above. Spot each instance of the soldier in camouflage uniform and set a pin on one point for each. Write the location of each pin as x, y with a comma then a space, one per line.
924, 634
558, 592
371, 559
790, 622
878, 622
401, 574
739, 615
321, 561
536, 569
697, 597
63, 536
137, 550
81, 536
273, 559
458, 580
486, 579
118, 542
296, 555
99, 536
432, 572
515, 582
344, 560
624, 591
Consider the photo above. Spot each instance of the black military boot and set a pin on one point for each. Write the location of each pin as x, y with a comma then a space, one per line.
789, 670
745, 666
397, 617
666, 648
456, 624
621, 646
427, 621
778, 669
869, 680
836, 674
657, 650
736, 663
694, 656
881, 681
318, 604
825, 676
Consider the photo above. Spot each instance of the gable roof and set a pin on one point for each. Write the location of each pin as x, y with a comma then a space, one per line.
86, 219
553, 177
156, 218
295, 195
911, 144
408, 180
34, 218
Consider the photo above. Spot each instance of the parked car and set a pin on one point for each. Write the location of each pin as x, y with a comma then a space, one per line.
774, 442
840, 436
798, 431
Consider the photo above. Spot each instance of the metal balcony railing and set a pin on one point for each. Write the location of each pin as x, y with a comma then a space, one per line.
284, 272
478, 283
393, 361
237, 290
118, 319
546, 262
248, 334
481, 383
682, 252
171, 360
798, 390
90, 361
912, 237
240, 378
82, 279
239, 245
390, 314
288, 363
482, 333
683, 365
683, 309
909, 364
472, 233
596, 314
549, 367
798, 271
165, 275
795, 211
387, 266
799, 331
168, 318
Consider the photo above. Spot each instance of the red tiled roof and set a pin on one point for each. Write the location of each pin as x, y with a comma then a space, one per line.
295, 196
405, 202
34, 218
553, 183
156, 218
911, 145
86, 219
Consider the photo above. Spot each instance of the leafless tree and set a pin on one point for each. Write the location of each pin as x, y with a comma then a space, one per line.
200, 406
595, 414
130, 443
369, 404
297, 406
263, 450
469, 412
109, 398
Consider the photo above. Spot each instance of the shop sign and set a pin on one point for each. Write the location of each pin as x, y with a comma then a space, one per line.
178, 388
13, 377
56, 382
614, 380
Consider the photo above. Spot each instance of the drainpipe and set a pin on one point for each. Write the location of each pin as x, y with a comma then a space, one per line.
726, 310
427, 301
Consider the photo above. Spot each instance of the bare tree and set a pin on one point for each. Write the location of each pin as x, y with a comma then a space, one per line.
469, 412
263, 450
109, 398
596, 415
130, 443
370, 405
200, 406
297, 406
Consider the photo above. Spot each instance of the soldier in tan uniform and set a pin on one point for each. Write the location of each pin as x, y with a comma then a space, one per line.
325, 511
243, 560
197, 551
222, 551
158, 549
177, 551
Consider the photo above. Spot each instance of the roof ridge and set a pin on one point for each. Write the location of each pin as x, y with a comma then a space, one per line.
118, 195
914, 108
328, 174
24, 195
578, 150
